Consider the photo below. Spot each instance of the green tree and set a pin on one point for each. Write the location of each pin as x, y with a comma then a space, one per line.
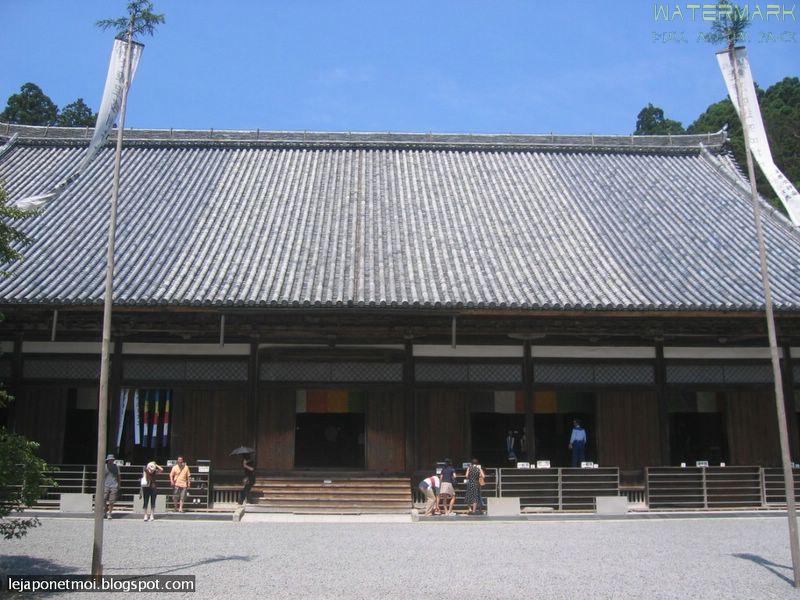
23, 475
31, 106
140, 19
780, 109
76, 114
651, 121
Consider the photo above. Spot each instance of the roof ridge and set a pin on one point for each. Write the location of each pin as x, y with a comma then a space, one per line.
467, 140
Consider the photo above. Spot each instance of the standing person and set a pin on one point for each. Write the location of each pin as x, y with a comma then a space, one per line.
447, 494
472, 497
179, 479
249, 478
149, 491
430, 487
110, 485
511, 441
577, 443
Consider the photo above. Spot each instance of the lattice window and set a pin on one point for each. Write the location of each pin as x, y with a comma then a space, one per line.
624, 374
441, 372
738, 373
53, 368
331, 371
495, 373
695, 374
155, 370
204, 370
563, 373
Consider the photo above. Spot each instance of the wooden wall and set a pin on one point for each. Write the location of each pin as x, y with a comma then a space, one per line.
628, 429
40, 415
386, 433
443, 427
209, 424
276, 422
752, 428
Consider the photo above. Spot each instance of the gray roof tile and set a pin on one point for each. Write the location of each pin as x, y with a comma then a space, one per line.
314, 219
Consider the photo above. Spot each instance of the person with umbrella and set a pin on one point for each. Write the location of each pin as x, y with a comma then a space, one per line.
249, 471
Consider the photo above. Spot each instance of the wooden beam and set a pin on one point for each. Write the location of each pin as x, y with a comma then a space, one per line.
787, 372
412, 451
530, 423
662, 395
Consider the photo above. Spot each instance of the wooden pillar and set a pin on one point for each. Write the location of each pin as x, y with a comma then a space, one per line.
252, 396
16, 381
527, 381
788, 395
114, 388
412, 447
662, 394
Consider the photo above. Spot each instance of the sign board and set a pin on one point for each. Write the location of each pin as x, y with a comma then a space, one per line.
701, 463
542, 464
202, 468
587, 465
465, 465
523, 465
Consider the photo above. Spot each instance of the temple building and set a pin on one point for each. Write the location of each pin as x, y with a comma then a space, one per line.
377, 302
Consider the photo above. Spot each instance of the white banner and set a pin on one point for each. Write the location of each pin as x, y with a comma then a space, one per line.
106, 117
123, 407
137, 426
753, 127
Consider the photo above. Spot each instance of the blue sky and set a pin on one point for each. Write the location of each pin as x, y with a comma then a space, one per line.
378, 65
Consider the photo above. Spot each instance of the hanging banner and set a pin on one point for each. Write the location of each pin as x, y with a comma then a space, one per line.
146, 419
123, 406
753, 127
137, 440
165, 420
106, 117
154, 434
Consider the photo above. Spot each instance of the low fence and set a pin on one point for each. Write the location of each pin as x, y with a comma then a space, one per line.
556, 489
80, 479
673, 488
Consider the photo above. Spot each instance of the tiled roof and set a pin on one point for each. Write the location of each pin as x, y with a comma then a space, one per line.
396, 220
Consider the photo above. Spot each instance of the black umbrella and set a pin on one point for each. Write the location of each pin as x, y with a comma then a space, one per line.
242, 450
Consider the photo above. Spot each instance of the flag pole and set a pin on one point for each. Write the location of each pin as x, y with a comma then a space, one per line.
102, 407
788, 476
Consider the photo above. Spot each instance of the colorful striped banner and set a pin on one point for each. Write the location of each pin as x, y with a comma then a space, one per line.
146, 419
330, 401
154, 433
168, 394
137, 425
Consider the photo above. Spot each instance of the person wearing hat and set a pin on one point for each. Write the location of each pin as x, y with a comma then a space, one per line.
110, 485
149, 490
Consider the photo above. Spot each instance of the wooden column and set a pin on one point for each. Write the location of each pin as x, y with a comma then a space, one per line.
16, 382
527, 381
412, 448
114, 388
788, 395
252, 396
662, 394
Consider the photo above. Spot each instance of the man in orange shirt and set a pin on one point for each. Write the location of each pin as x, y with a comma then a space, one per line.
179, 479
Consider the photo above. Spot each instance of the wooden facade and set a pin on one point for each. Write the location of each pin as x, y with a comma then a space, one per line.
416, 407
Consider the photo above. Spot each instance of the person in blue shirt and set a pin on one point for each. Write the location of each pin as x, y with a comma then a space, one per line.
577, 443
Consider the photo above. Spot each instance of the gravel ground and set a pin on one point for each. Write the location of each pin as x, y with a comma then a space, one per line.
698, 558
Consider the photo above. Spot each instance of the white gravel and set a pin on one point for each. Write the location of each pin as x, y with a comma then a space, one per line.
697, 558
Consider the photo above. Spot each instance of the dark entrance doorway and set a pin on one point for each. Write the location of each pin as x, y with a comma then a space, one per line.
329, 440
697, 436
489, 437
553, 432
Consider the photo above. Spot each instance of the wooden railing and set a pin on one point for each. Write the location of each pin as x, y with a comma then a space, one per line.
80, 479
556, 489
674, 488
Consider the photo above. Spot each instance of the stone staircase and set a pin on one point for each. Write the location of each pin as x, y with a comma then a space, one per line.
312, 494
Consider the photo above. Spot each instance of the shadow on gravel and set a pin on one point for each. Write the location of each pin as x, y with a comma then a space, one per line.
166, 569
30, 565
768, 565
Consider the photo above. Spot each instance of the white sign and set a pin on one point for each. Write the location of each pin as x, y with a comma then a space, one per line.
750, 115
701, 463
465, 465
202, 469
523, 465
542, 464
587, 465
